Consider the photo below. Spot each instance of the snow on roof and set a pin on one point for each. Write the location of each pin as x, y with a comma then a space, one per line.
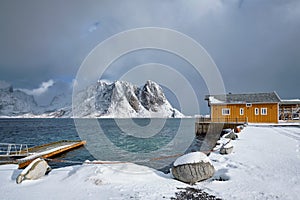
270, 97
290, 101
194, 157
213, 100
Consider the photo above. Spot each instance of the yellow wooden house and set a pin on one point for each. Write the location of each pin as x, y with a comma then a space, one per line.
252, 107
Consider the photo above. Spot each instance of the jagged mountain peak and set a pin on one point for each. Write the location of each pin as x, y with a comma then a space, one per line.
124, 99
152, 96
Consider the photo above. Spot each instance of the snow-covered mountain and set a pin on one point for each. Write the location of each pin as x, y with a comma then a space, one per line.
120, 99
15, 102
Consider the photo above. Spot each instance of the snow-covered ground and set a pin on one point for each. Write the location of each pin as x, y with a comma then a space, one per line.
265, 164
120, 181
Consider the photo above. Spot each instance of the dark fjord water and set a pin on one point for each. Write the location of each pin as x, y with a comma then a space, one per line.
114, 140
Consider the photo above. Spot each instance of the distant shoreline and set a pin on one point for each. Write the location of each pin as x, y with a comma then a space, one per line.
186, 117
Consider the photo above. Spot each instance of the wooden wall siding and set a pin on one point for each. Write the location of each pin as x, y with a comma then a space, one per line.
249, 112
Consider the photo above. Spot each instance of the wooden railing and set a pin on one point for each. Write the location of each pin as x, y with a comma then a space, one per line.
8, 150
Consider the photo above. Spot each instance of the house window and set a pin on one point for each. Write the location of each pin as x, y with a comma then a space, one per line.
225, 111
256, 111
241, 111
263, 111
248, 104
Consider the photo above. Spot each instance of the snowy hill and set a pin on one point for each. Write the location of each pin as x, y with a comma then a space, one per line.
15, 102
122, 99
110, 100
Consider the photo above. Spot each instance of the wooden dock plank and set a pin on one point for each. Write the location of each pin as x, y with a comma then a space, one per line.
49, 150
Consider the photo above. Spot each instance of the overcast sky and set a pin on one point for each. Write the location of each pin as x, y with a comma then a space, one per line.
254, 43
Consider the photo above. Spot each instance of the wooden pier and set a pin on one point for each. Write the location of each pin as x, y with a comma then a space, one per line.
48, 151
205, 126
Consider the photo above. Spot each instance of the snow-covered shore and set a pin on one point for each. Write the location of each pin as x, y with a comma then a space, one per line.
264, 165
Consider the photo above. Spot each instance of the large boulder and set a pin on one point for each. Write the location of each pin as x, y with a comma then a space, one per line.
231, 136
193, 167
226, 148
36, 169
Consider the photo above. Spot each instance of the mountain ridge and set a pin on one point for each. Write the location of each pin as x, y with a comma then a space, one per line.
122, 99
119, 99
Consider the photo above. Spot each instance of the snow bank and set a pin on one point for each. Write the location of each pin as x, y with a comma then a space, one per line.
264, 165
118, 181
228, 145
194, 157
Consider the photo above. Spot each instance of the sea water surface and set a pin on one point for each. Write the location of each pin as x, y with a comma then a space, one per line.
109, 139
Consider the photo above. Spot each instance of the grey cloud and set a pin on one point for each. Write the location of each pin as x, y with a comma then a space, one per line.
41, 89
255, 43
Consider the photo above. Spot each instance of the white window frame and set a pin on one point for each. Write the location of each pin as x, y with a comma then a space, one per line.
224, 111
241, 111
256, 111
248, 104
264, 111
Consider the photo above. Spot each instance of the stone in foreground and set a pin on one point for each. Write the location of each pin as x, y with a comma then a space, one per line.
36, 169
231, 136
226, 148
192, 168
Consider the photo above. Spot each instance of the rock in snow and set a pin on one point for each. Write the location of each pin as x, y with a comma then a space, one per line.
35, 170
191, 158
231, 136
226, 148
120, 99
193, 167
